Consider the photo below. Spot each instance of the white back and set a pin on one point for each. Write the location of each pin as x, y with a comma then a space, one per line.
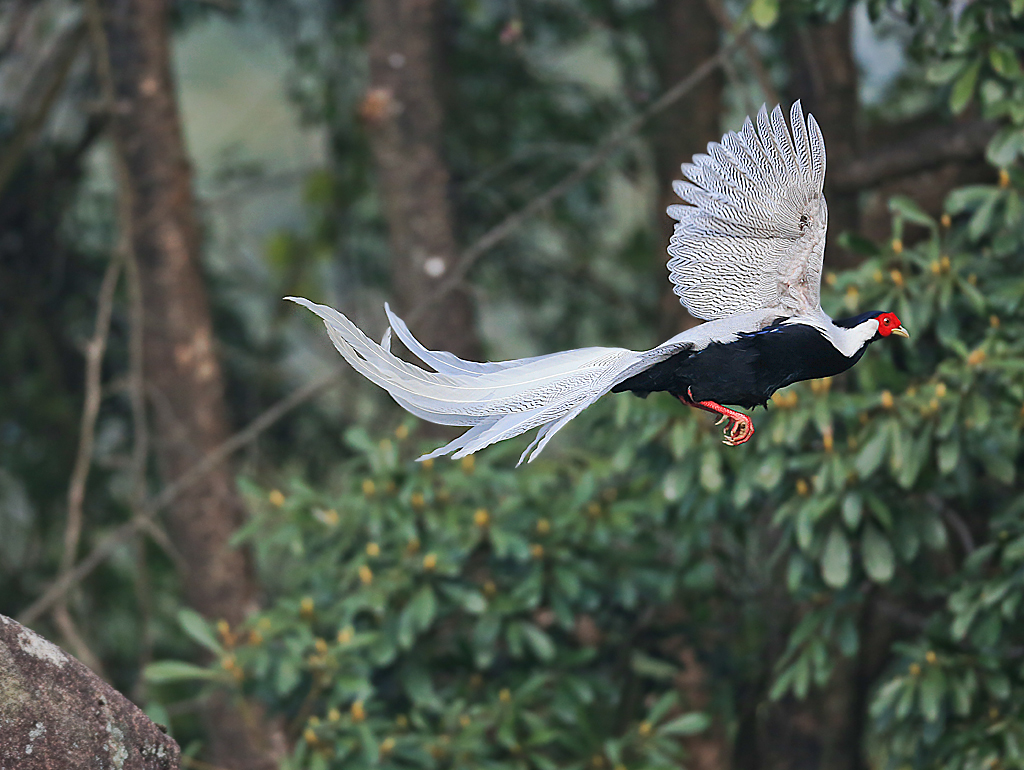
753, 236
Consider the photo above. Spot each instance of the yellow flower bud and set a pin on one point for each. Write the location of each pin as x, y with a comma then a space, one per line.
481, 518
276, 497
372, 550
887, 400
430, 561
645, 729
505, 696
897, 246
306, 607
331, 518
468, 463
417, 500
946, 220
1004, 178
897, 277
543, 526
345, 635
976, 357
464, 720
915, 669
321, 645
490, 589
369, 488
401, 721
931, 657
993, 321
428, 463
309, 736
802, 488
365, 574
940, 390
357, 711
387, 745
537, 551
401, 432
333, 715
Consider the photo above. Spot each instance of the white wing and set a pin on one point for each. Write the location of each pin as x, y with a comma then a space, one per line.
753, 236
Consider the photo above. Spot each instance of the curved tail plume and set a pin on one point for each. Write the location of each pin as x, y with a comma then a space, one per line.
497, 400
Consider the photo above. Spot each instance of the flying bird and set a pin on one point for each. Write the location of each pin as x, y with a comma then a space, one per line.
745, 257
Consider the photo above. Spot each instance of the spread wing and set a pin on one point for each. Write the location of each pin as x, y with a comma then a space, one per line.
753, 236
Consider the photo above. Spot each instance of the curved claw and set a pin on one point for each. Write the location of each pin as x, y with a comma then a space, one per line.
738, 432
739, 428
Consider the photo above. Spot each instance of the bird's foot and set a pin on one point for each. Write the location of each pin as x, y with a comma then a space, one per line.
739, 427
739, 430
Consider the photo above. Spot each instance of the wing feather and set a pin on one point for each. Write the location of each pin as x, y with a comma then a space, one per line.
752, 236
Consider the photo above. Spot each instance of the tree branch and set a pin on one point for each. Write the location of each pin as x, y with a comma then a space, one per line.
608, 146
925, 150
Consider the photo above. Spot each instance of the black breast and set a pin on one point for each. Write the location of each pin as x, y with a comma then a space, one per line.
748, 370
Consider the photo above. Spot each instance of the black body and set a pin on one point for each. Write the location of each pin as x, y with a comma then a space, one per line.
747, 371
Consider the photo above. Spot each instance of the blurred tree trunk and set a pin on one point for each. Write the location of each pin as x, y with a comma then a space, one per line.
823, 75
685, 35
183, 374
822, 732
404, 117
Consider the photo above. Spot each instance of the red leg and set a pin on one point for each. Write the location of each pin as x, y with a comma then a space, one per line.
740, 427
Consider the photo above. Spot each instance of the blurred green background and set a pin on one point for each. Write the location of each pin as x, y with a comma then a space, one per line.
842, 592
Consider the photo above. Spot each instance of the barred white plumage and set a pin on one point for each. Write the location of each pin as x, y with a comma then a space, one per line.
746, 256
754, 234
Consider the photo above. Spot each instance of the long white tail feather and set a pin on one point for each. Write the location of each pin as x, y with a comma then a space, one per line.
442, 360
497, 400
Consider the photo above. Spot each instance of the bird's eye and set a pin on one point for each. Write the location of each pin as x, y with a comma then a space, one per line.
886, 321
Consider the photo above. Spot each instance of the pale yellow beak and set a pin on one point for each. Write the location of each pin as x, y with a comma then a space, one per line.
899, 331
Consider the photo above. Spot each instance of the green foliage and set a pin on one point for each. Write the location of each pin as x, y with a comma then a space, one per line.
480, 614
423, 593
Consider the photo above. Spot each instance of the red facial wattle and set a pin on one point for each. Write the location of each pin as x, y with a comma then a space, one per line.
888, 323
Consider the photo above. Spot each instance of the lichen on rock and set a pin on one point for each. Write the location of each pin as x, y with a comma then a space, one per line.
54, 712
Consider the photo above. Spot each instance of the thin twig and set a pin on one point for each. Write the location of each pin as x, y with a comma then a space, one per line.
75, 641
728, 25
102, 550
94, 350
613, 142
